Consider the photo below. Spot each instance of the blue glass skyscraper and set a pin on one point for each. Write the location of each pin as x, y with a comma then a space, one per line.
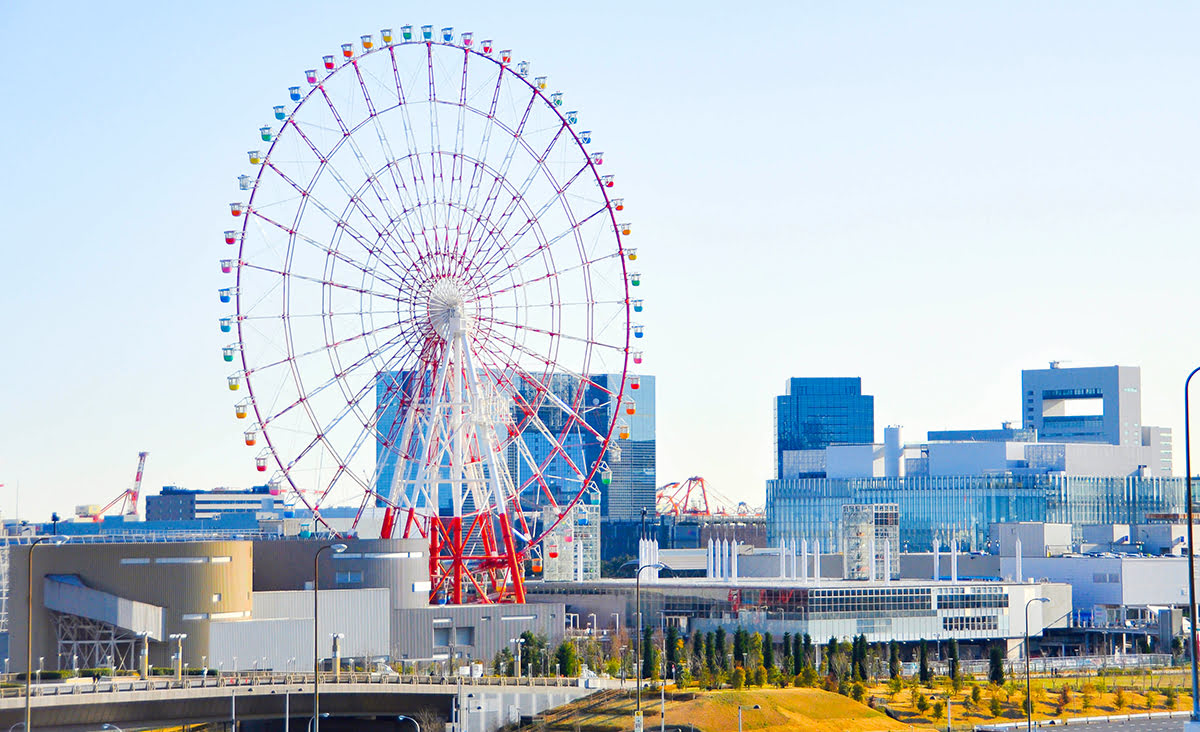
818, 412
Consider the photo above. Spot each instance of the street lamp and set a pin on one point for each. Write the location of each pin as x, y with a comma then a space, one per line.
337, 549
592, 624
112, 726
740, 714
1187, 452
403, 717
1028, 688
520, 642
56, 540
314, 719
178, 638
617, 622
637, 644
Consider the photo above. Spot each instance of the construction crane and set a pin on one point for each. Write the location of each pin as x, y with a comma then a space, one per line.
128, 498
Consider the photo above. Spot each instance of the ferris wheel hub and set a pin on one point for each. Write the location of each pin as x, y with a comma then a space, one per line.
449, 312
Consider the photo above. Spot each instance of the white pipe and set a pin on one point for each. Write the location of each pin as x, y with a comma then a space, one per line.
708, 561
954, 561
782, 561
936, 557
871, 547
733, 561
816, 561
804, 559
1020, 574
887, 560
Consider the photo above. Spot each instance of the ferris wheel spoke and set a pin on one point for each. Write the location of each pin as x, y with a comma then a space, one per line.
548, 277
489, 267
319, 281
322, 247
418, 175
549, 394
309, 393
324, 349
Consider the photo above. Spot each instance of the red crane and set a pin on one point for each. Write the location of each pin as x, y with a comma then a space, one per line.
128, 498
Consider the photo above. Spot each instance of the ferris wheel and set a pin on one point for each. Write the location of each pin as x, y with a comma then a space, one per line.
431, 302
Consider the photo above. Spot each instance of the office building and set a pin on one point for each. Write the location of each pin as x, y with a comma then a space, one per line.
1099, 404
815, 413
180, 504
870, 541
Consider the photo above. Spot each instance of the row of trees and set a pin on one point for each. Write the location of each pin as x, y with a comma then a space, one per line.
711, 657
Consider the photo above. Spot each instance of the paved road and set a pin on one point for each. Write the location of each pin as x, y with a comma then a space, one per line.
1131, 725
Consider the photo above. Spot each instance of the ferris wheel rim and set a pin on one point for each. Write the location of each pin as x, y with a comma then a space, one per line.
264, 421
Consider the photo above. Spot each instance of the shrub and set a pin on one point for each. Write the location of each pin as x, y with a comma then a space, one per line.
857, 691
922, 703
1120, 701
939, 710
1170, 697
1151, 695
738, 678
994, 705
976, 694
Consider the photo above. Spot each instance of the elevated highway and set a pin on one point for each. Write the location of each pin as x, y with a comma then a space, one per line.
484, 704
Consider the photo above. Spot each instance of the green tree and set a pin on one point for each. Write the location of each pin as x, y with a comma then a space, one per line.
939, 710
649, 667
994, 705
996, 665
857, 691
710, 652
503, 664
673, 645
1170, 697
860, 658
894, 686
922, 703
798, 653
832, 652
768, 651
1086, 696
807, 677
737, 679
976, 694
760, 675
952, 656
1150, 695
1120, 700
719, 651
568, 662
895, 670
785, 655
923, 672
741, 639
697, 652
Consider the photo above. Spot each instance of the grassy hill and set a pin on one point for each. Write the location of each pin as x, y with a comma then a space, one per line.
798, 709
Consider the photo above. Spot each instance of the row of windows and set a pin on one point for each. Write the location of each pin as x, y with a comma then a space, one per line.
985, 622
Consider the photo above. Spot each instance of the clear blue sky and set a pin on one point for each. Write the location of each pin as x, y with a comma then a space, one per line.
930, 195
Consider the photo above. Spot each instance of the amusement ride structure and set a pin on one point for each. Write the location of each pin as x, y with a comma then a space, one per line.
426, 273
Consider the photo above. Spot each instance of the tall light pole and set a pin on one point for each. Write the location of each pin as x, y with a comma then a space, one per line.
316, 718
1028, 686
178, 638
58, 539
520, 642
637, 643
1187, 453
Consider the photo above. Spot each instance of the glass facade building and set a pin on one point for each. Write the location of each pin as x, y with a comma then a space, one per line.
632, 460
932, 506
818, 412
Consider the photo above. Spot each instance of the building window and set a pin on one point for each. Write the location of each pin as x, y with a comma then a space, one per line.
350, 577
216, 597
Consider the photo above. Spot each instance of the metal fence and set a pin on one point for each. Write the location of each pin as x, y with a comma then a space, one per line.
1045, 665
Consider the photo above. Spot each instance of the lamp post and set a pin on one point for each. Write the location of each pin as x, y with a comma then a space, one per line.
402, 717
337, 549
592, 625
637, 642
57, 540
616, 622
740, 715
1187, 453
1028, 686
520, 642
112, 726
178, 638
